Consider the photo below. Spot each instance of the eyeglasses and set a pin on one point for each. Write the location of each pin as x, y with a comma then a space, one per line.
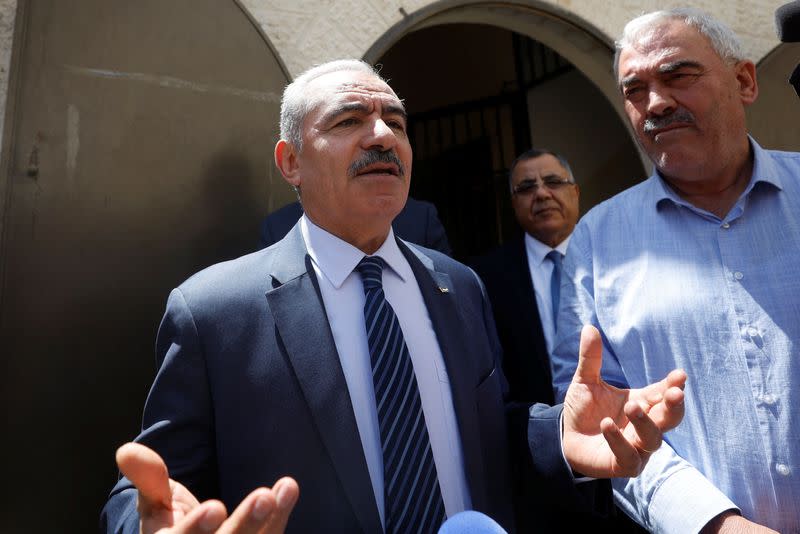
528, 187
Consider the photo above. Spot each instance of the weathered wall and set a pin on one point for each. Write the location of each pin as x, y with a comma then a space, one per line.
8, 11
305, 32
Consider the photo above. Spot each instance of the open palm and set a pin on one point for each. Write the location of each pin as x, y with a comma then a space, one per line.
611, 432
168, 507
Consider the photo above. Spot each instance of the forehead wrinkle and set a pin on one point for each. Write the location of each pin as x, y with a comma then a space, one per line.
648, 58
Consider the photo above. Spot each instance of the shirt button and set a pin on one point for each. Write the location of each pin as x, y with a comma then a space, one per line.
783, 469
752, 332
768, 399
726, 225
738, 275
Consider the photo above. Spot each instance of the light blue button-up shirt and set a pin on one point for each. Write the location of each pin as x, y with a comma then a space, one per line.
673, 286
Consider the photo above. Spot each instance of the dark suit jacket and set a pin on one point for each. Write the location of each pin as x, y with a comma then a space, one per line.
418, 222
507, 277
250, 388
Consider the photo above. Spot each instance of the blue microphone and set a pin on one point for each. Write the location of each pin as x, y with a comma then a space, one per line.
471, 522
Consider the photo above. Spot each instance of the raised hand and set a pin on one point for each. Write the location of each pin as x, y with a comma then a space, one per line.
611, 432
167, 507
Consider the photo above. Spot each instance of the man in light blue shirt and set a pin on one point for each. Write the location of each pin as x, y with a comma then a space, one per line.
697, 267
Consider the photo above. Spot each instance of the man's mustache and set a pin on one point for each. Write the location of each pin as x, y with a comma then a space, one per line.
372, 157
682, 115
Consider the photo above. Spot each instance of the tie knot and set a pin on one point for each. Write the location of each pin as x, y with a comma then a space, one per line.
556, 257
371, 270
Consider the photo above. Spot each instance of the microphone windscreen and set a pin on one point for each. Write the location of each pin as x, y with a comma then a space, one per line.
471, 522
787, 22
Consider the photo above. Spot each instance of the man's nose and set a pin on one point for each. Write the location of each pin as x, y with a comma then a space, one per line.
541, 191
380, 136
660, 102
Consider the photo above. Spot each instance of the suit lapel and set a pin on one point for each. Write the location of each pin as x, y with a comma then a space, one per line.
450, 327
527, 302
302, 324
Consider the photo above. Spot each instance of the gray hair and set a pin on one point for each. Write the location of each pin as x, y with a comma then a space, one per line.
533, 153
296, 103
724, 42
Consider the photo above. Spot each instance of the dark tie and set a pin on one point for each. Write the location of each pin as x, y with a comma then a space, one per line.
413, 501
555, 283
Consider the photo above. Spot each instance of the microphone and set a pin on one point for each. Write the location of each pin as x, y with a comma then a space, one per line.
471, 522
787, 22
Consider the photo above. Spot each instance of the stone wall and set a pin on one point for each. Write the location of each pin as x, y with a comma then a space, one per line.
306, 32
8, 11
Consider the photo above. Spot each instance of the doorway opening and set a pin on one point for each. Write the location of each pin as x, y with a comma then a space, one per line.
477, 96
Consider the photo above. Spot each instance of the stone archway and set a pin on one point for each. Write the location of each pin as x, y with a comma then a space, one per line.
584, 45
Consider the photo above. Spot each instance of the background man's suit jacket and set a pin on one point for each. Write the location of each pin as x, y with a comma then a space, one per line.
526, 363
418, 223
506, 273
250, 388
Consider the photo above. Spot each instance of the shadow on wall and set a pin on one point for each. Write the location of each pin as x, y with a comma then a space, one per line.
774, 118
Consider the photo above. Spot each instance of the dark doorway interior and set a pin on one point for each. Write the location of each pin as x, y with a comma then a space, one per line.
469, 123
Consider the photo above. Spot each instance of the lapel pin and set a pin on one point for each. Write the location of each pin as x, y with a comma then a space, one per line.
444, 289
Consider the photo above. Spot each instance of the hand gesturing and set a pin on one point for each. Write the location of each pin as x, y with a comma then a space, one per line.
167, 507
611, 432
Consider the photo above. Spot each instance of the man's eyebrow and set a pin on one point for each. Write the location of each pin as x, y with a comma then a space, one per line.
395, 109
360, 107
344, 108
668, 68
627, 82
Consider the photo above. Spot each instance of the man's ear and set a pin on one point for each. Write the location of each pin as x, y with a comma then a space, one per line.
748, 84
286, 161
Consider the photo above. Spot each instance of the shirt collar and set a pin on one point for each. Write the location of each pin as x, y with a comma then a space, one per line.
337, 258
763, 171
538, 251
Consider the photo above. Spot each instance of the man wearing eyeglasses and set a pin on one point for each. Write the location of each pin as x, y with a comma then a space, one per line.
522, 279
522, 276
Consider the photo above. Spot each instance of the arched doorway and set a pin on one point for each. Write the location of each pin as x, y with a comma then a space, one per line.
480, 93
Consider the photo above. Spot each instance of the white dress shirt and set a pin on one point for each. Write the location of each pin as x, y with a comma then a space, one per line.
343, 296
541, 272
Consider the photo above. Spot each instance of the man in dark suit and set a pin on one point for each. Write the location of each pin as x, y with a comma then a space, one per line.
418, 223
519, 274
293, 360
521, 280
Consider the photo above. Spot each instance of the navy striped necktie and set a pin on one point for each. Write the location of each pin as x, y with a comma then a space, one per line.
412, 498
555, 283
